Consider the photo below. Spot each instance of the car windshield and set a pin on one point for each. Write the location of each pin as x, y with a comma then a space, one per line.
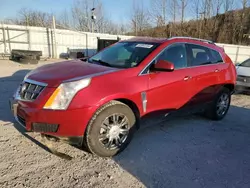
245, 63
124, 54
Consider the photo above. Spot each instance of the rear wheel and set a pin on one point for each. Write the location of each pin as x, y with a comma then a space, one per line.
220, 106
110, 129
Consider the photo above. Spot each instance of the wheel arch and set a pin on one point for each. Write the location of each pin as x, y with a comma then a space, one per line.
134, 108
231, 87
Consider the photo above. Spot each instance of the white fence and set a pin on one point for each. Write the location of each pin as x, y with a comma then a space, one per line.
53, 44
236, 52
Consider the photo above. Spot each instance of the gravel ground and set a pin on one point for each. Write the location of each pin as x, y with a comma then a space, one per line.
183, 152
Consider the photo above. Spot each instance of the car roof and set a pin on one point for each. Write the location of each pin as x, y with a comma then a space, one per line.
147, 39
198, 41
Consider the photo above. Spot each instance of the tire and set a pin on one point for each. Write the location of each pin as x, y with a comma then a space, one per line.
213, 112
95, 138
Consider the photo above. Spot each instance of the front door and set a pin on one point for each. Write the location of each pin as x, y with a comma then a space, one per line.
170, 90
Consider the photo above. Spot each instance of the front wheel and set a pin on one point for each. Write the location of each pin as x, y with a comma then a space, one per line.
110, 129
220, 106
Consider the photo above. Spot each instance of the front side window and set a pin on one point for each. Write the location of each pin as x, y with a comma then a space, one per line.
199, 55
245, 63
175, 54
124, 54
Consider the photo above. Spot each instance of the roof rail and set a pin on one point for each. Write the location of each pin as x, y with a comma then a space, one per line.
202, 40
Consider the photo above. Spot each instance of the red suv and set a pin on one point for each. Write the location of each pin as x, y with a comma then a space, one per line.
98, 102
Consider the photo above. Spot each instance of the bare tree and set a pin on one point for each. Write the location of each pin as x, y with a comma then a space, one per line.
217, 6
139, 18
159, 11
196, 8
183, 7
81, 12
228, 5
34, 18
173, 10
63, 21
244, 3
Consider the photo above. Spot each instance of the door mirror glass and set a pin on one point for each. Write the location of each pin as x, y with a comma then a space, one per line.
163, 65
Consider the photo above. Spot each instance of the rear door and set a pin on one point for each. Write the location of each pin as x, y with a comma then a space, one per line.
170, 90
204, 70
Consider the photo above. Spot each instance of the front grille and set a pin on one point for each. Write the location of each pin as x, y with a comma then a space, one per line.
243, 79
44, 127
29, 91
21, 120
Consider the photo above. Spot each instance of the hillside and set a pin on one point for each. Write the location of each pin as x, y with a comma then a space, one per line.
229, 28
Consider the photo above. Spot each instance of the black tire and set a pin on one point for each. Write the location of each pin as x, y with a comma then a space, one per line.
92, 133
212, 111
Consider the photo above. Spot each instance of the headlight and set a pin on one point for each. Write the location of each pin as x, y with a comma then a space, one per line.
62, 96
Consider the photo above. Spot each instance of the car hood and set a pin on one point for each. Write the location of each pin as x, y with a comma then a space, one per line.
54, 74
243, 71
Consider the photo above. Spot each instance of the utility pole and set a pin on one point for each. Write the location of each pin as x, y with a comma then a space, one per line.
93, 18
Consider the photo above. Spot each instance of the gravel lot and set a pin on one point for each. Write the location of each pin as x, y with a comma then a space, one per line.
184, 152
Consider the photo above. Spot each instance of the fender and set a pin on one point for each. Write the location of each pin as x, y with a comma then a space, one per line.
133, 98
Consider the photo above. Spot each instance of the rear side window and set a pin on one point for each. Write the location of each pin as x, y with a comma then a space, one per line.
216, 57
200, 55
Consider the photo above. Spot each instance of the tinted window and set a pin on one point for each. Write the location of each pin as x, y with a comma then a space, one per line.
123, 54
199, 55
245, 63
216, 57
175, 54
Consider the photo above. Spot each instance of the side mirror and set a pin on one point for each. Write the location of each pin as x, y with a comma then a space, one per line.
163, 66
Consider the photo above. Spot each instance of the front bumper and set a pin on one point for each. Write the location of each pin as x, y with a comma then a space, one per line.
242, 86
71, 123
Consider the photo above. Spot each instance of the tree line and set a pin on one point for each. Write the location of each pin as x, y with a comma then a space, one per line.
216, 20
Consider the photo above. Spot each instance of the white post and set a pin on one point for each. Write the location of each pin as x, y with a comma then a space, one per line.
54, 31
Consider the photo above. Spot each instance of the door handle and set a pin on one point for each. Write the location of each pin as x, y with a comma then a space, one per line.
217, 70
187, 78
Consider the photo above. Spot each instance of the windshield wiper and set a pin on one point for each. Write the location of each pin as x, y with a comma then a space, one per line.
101, 62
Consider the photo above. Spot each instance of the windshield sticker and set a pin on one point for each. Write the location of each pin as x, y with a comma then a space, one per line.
144, 46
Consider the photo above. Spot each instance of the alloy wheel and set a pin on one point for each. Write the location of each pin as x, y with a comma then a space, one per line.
114, 131
222, 104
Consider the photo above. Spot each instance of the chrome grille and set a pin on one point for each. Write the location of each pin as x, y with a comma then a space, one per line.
29, 91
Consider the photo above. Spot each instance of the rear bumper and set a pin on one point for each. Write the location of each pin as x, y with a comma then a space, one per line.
58, 123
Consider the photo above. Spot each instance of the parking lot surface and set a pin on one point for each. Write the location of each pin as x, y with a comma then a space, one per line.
188, 151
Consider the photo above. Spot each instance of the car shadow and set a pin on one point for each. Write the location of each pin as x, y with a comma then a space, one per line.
46, 145
191, 151
8, 86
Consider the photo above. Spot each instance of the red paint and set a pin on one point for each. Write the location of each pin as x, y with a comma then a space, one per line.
165, 90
